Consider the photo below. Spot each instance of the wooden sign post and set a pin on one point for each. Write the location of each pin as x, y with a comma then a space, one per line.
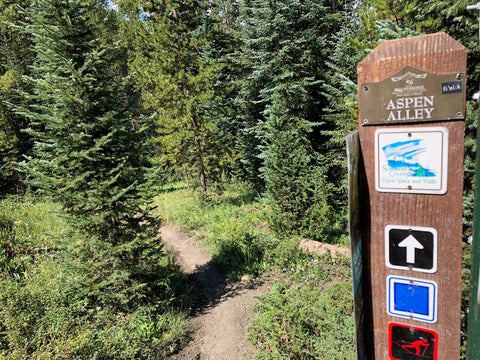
411, 132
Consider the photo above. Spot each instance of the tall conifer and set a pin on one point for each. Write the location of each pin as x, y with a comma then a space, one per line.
90, 150
176, 75
16, 57
284, 56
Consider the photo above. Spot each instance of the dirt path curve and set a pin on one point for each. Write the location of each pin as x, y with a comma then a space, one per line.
221, 319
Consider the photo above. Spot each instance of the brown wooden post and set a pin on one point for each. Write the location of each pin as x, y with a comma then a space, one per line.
412, 94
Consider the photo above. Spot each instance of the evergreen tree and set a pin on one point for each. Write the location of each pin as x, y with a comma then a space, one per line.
342, 111
15, 58
222, 23
176, 74
286, 47
91, 154
361, 31
90, 151
255, 17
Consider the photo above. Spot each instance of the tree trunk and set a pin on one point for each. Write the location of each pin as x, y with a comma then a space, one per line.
199, 152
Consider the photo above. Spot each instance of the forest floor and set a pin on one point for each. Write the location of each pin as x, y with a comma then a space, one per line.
222, 315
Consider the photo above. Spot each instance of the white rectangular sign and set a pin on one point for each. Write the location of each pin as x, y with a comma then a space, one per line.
411, 160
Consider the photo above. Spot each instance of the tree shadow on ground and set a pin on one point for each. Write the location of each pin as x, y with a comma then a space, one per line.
210, 282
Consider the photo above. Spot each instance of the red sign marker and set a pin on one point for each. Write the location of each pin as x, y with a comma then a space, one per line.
411, 343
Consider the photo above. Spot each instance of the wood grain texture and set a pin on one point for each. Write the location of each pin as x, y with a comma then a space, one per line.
438, 54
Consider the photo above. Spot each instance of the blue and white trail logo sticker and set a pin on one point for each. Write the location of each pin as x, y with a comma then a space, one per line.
411, 160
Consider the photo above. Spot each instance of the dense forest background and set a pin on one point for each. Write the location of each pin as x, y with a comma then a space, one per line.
211, 92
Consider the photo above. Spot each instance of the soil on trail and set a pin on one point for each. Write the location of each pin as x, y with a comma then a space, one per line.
222, 315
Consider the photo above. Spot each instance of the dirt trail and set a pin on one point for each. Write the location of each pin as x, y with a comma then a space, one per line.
221, 319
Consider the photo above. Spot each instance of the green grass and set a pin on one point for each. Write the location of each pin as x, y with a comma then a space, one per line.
310, 320
52, 306
231, 225
59, 299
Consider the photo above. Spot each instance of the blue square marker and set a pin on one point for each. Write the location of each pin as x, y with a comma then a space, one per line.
412, 298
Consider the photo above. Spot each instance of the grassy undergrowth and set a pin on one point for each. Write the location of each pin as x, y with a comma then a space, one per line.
308, 314
55, 302
231, 225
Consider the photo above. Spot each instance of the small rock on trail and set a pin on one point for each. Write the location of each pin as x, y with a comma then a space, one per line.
221, 318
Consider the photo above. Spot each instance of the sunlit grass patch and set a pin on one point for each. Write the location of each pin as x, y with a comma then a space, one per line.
231, 224
308, 314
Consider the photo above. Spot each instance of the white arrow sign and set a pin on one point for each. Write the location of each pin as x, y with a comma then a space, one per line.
411, 243
401, 244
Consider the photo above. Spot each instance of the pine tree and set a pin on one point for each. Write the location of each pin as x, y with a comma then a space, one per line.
286, 47
90, 151
249, 59
91, 155
222, 23
176, 76
16, 56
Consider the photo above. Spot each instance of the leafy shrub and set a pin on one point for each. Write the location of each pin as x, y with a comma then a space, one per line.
246, 254
231, 223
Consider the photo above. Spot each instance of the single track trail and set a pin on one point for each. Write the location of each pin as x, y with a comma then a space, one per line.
222, 315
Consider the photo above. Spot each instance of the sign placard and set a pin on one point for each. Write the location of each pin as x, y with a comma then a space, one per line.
411, 160
413, 95
412, 298
411, 343
411, 248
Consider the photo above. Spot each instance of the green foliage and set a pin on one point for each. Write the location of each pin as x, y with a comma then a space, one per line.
232, 224
309, 319
172, 57
471, 126
285, 48
90, 151
16, 55
56, 302
306, 316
